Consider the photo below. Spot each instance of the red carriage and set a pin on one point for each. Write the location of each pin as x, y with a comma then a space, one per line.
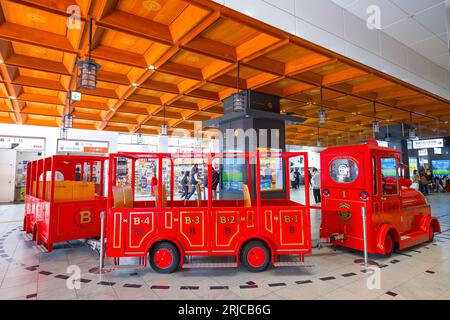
64, 198
248, 228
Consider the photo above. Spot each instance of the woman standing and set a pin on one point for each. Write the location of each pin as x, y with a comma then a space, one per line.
415, 180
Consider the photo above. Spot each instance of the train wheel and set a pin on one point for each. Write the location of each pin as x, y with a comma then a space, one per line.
164, 257
255, 256
388, 245
431, 234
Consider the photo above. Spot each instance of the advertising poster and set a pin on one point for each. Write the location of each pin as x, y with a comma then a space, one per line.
441, 167
232, 174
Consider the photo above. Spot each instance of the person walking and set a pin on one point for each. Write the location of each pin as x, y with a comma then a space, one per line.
415, 180
297, 178
423, 183
292, 178
194, 180
215, 182
315, 183
185, 184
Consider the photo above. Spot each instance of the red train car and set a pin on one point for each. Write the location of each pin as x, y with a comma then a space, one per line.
171, 233
64, 198
372, 176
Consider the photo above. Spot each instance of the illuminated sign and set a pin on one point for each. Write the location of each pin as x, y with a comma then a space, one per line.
75, 96
21, 143
82, 146
425, 144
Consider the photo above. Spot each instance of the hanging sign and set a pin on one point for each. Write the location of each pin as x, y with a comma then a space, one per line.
425, 144
423, 152
22, 143
82, 146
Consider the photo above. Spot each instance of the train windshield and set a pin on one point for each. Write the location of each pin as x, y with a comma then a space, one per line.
343, 170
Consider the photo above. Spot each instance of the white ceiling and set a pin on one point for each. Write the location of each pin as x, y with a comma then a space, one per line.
418, 24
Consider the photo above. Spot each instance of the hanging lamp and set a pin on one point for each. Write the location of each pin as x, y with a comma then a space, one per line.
322, 112
412, 130
88, 68
164, 125
238, 97
375, 123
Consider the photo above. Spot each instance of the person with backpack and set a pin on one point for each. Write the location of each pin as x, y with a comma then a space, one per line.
194, 180
184, 182
215, 182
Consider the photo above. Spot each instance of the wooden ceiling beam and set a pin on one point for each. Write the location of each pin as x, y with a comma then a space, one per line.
211, 48
38, 64
180, 70
15, 32
119, 56
144, 99
342, 76
140, 27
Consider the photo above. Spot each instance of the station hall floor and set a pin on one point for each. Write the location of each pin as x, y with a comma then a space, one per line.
423, 272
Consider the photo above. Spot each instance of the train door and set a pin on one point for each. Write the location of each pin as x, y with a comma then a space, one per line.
390, 187
193, 213
344, 180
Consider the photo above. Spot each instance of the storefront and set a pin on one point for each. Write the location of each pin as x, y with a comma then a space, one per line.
431, 154
17, 152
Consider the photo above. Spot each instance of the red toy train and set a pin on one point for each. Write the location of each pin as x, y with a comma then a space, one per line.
253, 227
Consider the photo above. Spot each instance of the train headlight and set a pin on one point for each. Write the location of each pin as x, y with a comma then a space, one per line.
326, 193
364, 195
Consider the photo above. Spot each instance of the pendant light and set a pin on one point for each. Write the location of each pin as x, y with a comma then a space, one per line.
164, 125
63, 133
375, 123
88, 68
322, 112
412, 130
238, 97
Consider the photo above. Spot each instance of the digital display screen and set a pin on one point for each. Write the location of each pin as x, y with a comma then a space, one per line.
389, 167
441, 167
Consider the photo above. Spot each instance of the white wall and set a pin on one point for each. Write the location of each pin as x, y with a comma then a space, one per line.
325, 23
51, 135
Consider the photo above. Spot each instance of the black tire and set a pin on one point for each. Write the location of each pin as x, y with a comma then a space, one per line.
388, 252
159, 265
431, 234
248, 249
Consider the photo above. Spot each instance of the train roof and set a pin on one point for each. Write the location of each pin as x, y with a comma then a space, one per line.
371, 145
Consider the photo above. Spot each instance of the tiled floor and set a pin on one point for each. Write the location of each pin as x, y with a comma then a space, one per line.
420, 273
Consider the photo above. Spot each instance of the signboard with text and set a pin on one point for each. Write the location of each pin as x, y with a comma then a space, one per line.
82, 146
22, 143
425, 144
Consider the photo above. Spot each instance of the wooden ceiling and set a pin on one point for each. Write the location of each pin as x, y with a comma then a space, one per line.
194, 47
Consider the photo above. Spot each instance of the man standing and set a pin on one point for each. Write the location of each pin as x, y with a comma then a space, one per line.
315, 183
194, 180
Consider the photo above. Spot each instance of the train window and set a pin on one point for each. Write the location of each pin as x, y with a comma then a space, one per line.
389, 175
375, 176
344, 170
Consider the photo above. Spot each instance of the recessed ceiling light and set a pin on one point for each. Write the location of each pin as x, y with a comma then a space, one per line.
1, 61
12, 97
152, 67
134, 84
